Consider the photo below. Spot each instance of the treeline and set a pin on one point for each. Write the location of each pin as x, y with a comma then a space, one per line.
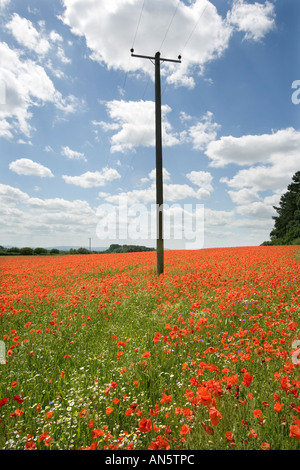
28, 251
286, 229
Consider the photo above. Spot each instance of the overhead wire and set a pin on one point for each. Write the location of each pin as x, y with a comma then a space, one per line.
133, 43
194, 28
163, 41
170, 24
138, 25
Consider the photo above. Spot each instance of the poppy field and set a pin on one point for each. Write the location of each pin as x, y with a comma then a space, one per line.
102, 354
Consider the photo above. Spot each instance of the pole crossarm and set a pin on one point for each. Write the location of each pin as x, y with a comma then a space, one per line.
159, 166
153, 58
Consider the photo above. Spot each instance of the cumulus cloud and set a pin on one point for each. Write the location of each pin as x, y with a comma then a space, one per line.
27, 85
244, 196
110, 30
93, 179
172, 191
255, 19
203, 179
259, 209
218, 218
27, 35
72, 154
27, 220
3, 4
204, 132
25, 166
12, 196
251, 149
133, 124
109, 27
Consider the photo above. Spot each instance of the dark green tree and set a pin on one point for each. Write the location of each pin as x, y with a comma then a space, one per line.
40, 251
26, 251
287, 223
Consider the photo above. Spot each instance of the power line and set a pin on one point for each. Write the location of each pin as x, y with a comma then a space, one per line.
170, 24
134, 38
194, 29
138, 25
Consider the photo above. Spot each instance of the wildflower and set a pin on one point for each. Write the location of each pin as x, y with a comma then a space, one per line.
265, 446
247, 379
166, 399
229, 437
157, 337
82, 413
208, 429
30, 446
214, 415
257, 413
146, 354
278, 407
185, 430
109, 410
18, 399
97, 433
145, 425
204, 396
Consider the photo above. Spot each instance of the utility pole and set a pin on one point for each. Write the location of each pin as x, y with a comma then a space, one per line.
159, 166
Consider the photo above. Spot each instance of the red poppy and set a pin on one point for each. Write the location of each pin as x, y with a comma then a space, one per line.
145, 425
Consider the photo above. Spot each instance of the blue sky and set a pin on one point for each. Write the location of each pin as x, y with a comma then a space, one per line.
77, 130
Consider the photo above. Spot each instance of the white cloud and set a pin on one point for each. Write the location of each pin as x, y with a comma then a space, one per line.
250, 149
134, 122
27, 85
255, 20
109, 29
26, 220
243, 196
93, 179
25, 166
12, 196
3, 4
72, 154
166, 175
172, 193
202, 133
55, 37
203, 179
61, 55
259, 209
5, 129
263, 178
218, 218
27, 35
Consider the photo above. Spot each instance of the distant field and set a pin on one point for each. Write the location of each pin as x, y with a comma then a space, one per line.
101, 354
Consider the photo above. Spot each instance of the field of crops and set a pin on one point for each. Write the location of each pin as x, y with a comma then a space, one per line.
102, 354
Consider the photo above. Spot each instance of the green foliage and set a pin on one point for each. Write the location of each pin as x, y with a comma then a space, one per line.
40, 251
115, 248
286, 229
26, 251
